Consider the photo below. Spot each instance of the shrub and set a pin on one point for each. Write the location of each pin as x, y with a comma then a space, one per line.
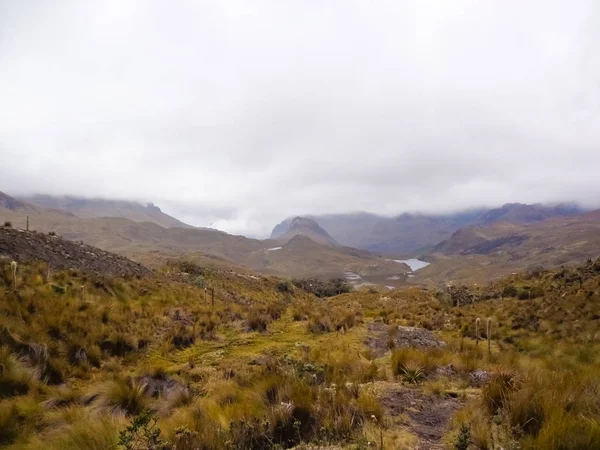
536, 291
463, 440
191, 267
509, 291
199, 281
257, 321
319, 325
7, 224
183, 337
143, 434
59, 289
285, 286
321, 288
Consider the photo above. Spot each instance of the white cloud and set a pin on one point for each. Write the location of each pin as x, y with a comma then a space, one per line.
236, 115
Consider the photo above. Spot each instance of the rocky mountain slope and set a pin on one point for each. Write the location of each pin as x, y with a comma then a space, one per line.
91, 208
25, 246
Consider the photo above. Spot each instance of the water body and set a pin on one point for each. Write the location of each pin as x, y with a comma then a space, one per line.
413, 263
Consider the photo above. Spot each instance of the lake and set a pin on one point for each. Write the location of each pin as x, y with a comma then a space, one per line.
413, 263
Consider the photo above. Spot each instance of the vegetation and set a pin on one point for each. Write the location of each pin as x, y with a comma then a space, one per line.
151, 363
323, 288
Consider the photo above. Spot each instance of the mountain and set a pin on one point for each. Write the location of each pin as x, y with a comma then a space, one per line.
420, 233
406, 233
521, 213
11, 203
152, 244
302, 226
92, 208
486, 252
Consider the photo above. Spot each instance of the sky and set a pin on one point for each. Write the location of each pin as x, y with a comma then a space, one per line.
236, 114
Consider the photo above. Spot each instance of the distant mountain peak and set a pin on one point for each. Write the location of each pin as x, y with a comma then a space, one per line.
303, 226
8, 202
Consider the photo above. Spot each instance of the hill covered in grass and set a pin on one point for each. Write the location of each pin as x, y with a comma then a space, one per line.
264, 364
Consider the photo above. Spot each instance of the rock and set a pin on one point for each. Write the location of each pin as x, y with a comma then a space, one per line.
161, 386
417, 337
479, 377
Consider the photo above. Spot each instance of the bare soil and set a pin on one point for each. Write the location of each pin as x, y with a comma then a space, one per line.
426, 416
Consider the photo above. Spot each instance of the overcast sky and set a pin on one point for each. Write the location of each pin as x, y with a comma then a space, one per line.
237, 114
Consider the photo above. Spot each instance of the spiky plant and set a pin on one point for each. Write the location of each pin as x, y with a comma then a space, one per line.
412, 373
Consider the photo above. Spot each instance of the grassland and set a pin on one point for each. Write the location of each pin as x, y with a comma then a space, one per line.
268, 365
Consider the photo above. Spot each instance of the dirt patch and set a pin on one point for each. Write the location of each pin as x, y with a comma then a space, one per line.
59, 253
425, 416
382, 337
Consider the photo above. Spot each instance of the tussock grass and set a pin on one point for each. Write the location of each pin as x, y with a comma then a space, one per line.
271, 365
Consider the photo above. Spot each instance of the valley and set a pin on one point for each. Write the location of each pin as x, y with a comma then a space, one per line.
275, 225
218, 341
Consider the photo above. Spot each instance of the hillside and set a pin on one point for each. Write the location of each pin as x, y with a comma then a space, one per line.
266, 365
91, 208
59, 254
483, 253
303, 257
419, 233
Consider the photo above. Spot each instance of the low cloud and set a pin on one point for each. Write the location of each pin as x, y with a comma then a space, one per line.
237, 116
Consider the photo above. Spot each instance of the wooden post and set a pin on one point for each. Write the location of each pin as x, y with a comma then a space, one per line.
489, 335
27, 223
205, 296
477, 331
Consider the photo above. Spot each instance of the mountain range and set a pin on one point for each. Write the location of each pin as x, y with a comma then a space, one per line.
420, 233
96, 207
477, 245
151, 242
